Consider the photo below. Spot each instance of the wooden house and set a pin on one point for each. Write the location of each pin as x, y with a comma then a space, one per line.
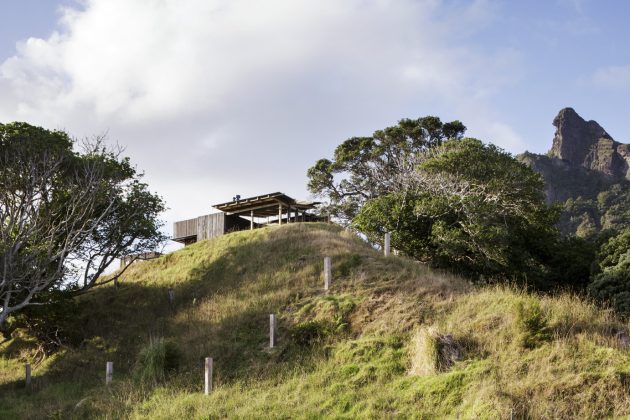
244, 213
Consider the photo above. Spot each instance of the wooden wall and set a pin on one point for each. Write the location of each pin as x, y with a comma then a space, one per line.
185, 228
200, 228
210, 225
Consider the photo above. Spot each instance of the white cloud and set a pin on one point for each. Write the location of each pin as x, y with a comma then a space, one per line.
217, 97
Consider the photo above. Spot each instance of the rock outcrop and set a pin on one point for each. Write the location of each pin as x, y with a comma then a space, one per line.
587, 171
587, 144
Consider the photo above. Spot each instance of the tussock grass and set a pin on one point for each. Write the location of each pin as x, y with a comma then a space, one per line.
425, 357
377, 345
157, 360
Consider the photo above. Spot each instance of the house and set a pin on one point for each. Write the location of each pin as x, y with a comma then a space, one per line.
242, 214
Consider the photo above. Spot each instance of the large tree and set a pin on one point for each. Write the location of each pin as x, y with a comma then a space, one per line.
364, 168
470, 207
66, 215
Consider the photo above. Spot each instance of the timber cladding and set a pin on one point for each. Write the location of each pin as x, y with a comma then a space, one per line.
199, 228
210, 225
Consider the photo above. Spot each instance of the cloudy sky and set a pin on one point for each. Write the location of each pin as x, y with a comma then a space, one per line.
217, 97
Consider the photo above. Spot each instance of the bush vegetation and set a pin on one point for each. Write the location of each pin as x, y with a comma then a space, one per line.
611, 284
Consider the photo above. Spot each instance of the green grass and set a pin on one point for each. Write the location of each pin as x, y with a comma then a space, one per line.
377, 345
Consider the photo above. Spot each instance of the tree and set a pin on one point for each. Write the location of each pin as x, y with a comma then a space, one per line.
611, 282
470, 207
364, 168
66, 216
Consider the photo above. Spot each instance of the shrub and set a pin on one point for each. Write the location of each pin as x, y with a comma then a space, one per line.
157, 359
613, 286
307, 332
532, 325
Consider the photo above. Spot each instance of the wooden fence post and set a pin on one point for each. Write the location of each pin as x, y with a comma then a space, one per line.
388, 239
272, 330
327, 272
208, 376
109, 372
27, 371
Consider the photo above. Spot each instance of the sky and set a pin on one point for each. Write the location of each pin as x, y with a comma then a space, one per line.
213, 98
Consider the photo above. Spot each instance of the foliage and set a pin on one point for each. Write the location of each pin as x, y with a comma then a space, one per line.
615, 253
532, 324
66, 216
612, 281
614, 207
613, 287
307, 333
51, 325
395, 213
588, 217
470, 207
157, 360
453, 203
570, 263
364, 168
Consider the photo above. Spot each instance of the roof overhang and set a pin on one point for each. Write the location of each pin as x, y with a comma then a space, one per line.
264, 205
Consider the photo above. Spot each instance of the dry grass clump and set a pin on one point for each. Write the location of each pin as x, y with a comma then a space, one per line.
433, 352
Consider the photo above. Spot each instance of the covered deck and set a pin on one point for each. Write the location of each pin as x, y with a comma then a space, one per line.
276, 208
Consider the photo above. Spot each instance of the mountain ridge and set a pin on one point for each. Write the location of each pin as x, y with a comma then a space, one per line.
587, 172
587, 144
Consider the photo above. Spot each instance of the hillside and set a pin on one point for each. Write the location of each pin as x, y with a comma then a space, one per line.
391, 338
588, 173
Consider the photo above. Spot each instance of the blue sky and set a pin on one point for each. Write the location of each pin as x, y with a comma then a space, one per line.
564, 45
215, 97
22, 19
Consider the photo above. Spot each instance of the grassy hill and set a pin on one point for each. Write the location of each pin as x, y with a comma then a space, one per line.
391, 339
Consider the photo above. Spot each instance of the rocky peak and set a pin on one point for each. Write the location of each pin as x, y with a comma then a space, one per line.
587, 144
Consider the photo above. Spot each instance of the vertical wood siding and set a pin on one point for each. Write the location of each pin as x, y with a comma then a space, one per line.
203, 227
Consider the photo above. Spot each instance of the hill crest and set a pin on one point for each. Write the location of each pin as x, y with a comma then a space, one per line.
391, 339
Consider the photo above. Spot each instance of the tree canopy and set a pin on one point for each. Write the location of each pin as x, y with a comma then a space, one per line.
451, 202
469, 207
66, 215
611, 282
364, 168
